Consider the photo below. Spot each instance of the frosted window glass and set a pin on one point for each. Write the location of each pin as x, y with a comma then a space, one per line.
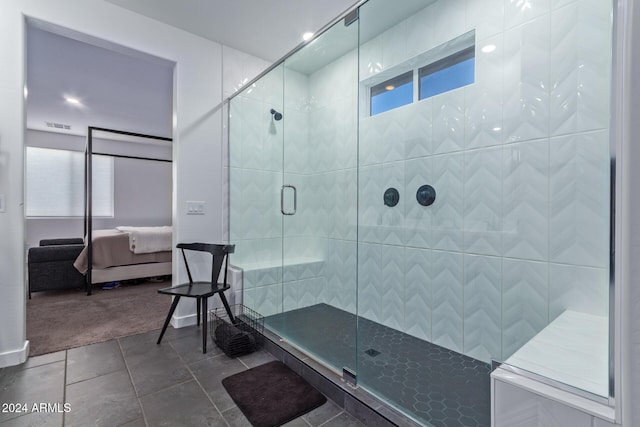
55, 183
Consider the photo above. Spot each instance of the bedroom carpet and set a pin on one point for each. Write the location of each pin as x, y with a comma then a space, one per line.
66, 319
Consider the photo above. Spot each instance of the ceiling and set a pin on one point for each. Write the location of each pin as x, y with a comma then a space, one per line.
126, 90
267, 29
119, 88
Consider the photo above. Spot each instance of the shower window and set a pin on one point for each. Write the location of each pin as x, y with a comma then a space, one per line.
392, 93
446, 67
449, 73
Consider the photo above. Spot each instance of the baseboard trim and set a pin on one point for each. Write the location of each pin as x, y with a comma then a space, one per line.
184, 321
15, 357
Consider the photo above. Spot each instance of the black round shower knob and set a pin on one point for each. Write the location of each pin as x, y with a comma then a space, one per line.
391, 197
426, 195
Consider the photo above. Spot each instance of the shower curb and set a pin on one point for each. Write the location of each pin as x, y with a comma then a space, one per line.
360, 404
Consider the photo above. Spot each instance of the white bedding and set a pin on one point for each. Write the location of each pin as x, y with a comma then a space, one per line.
144, 240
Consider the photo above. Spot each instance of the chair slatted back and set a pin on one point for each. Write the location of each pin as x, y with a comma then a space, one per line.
219, 253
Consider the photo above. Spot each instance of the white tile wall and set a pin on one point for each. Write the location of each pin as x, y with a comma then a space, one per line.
525, 196
447, 272
517, 407
525, 297
579, 189
519, 161
482, 307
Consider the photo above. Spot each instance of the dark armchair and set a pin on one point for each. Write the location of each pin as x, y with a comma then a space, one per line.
50, 265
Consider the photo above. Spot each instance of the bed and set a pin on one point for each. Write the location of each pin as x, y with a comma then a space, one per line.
126, 253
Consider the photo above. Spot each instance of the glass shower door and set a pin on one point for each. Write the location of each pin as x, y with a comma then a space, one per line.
255, 175
319, 198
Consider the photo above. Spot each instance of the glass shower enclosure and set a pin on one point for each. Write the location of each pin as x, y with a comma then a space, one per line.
423, 189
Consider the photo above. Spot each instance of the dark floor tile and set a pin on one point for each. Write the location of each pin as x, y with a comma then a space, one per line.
176, 333
158, 371
107, 400
91, 361
345, 420
152, 367
397, 418
298, 422
182, 405
257, 358
323, 414
40, 384
189, 347
139, 344
135, 423
35, 419
364, 413
44, 359
211, 372
235, 418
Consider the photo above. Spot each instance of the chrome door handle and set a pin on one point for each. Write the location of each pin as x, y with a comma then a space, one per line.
295, 199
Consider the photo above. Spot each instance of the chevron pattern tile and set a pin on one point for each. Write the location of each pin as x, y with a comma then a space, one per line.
417, 221
483, 201
484, 99
392, 292
448, 209
391, 226
390, 127
448, 121
482, 307
264, 300
525, 195
311, 291
418, 129
516, 13
524, 302
526, 81
579, 36
290, 295
579, 197
446, 22
369, 280
580, 289
486, 16
418, 300
519, 162
447, 293
370, 203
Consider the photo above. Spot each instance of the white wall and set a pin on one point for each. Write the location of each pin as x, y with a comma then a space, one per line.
629, 209
197, 153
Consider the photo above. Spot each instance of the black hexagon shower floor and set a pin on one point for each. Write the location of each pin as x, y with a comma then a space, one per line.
439, 387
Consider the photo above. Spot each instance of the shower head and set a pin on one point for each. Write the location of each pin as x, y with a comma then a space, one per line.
277, 116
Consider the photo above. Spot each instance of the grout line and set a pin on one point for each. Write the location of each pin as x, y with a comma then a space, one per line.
208, 397
334, 417
64, 385
133, 385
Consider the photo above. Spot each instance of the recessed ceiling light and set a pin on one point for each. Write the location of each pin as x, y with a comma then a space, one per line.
390, 87
307, 36
489, 48
71, 100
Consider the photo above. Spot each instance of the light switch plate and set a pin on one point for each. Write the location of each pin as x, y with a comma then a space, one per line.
195, 208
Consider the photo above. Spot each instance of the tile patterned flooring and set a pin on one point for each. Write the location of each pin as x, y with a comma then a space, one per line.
133, 382
440, 387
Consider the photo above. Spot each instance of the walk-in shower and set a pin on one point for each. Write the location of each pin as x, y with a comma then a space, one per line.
436, 198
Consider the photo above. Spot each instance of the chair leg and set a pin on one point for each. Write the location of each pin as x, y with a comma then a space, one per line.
204, 325
168, 319
227, 308
198, 304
